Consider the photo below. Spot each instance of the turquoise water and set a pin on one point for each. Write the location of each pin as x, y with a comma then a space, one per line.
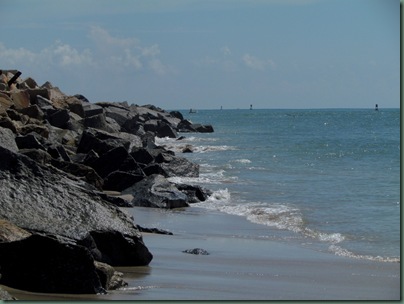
329, 179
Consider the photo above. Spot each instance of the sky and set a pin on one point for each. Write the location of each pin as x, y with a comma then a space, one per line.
207, 54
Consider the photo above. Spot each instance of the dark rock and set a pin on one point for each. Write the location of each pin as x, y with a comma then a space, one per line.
97, 122
33, 111
165, 130
141, 155
92, 109
195, 194
44, 103
196, 251
119, 180
187, 149
177, 114
39, 129
180, 166
115, 200
7, 139
7, 123
203, 128
40, 198
155, 169
117, 159
153, 230
58, 152
157, 192
81, 171
39, 156
81, 97
46, 264
59, 118
35, 92
109, 278
100, 141
29, 141
118, 249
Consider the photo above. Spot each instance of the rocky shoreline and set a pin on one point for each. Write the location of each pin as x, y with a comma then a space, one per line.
66, 166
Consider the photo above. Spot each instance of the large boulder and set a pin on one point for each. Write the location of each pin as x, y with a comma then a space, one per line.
43, 263
7, 139
43, 198
157, 192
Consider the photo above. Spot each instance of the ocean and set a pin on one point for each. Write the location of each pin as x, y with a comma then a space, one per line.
326, 179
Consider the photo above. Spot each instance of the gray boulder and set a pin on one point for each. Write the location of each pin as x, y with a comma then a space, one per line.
7, 139
47, 264
157, 192
43, 198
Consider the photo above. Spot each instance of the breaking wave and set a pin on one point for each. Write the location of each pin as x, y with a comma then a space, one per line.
284, 217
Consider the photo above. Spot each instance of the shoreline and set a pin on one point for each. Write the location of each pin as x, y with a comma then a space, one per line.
238, 267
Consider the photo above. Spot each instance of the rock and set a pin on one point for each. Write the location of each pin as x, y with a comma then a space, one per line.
203, 128
29, 141
41, 198
195, 194
157, 192
187, 149
119, 180
196, 251
100, 141
180, 166
7, 123
46, 264
109, 278
7, 139
165, 130
177, 114
39, 156
39, 129
5, 296
116, 159
141, 155
34, 93
33, 111
117, 249
153, 230
5, 102
59, 118
10, 232
79, 170
21, 99
97, 122
30, 82
92, 109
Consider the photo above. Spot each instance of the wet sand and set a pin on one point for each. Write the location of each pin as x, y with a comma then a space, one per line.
244, 263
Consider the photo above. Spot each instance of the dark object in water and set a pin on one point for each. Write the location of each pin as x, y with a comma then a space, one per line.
197, 251
376, 107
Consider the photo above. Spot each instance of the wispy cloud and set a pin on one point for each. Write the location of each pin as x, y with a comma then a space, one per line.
256, 63
106, 52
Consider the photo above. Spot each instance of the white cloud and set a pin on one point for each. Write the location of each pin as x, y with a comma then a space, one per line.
226, 51
256, 63
107, 52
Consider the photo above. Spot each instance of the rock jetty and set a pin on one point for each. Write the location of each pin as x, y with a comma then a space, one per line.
66, 166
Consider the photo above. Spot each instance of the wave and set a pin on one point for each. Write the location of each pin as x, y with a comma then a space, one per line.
337, 250
178, 146
283, 217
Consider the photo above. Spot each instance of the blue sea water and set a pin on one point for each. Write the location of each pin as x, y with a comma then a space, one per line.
327, 178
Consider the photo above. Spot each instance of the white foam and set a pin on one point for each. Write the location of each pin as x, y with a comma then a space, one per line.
346, 253
242, 161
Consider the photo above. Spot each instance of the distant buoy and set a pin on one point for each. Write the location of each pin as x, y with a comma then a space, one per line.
376, 108
250, 107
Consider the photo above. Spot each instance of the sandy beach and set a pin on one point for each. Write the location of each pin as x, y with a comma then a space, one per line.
244, 263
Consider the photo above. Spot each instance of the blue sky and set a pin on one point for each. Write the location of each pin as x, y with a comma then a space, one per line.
203, 54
